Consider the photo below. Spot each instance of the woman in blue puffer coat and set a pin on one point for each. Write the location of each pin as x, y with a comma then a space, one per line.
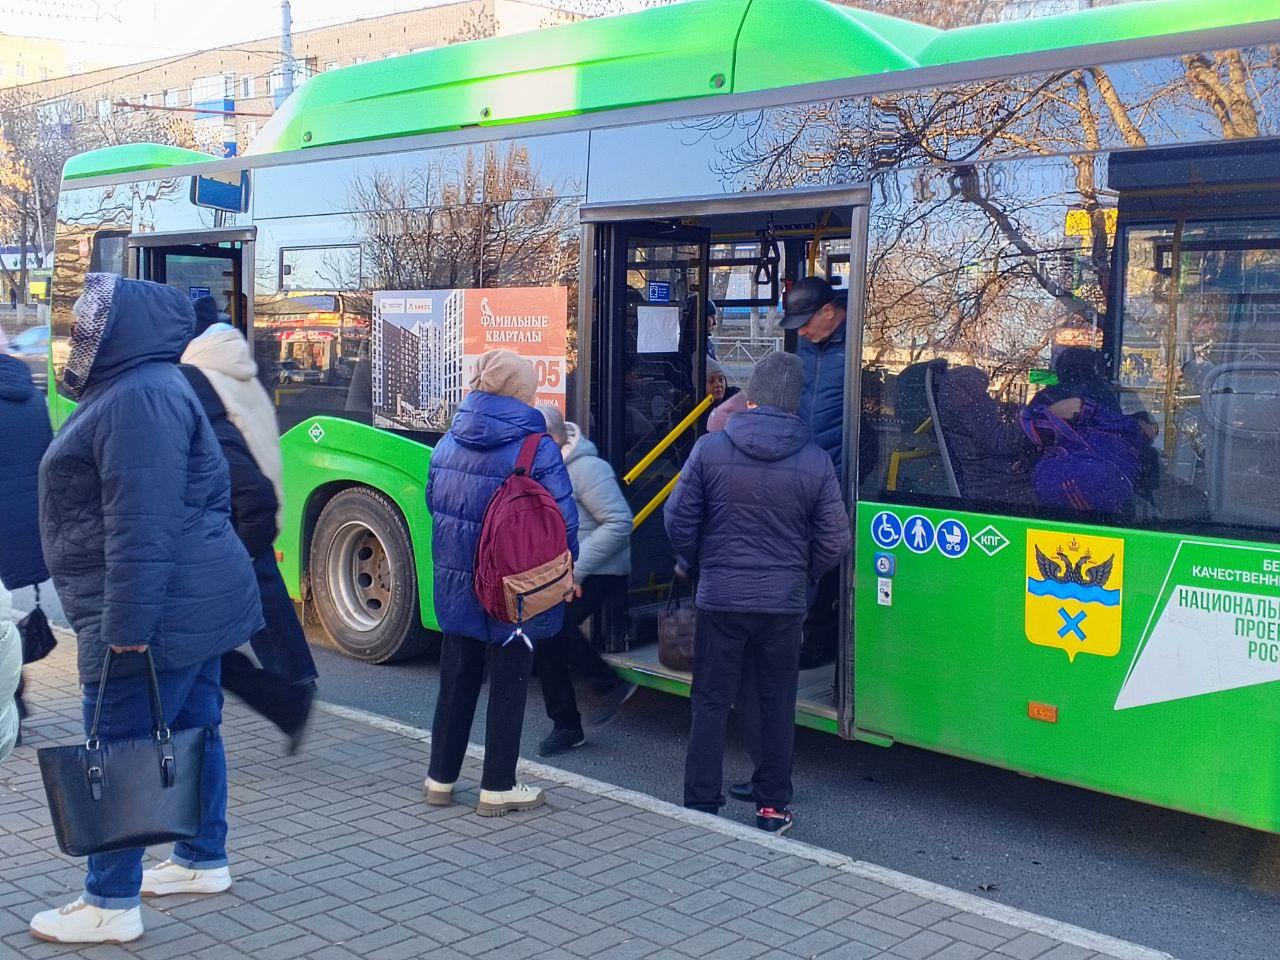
135, 517
467, 467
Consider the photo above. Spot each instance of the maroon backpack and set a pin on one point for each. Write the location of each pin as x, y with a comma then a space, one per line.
523, 563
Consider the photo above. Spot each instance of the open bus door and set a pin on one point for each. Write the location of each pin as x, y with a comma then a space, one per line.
646, 390
650, 351
208, 263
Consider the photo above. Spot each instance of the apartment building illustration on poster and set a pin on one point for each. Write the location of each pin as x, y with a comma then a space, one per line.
425, 343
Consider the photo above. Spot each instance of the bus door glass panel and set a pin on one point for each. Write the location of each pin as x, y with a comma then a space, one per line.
201, 276
1201, 353
660, 318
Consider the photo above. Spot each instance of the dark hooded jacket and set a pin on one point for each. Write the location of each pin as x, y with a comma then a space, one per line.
467, 467
24, 425
135, 501
758, 512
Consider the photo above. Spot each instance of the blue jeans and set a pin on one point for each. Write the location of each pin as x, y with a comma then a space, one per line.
192, 697
280, 646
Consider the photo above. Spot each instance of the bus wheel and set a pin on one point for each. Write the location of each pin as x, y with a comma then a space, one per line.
363, 578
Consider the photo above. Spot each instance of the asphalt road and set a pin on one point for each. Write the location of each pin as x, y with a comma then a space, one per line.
1198, 889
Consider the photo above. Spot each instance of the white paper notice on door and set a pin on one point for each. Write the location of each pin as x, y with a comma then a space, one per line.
658, 330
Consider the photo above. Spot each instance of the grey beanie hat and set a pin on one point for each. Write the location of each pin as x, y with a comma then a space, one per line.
777, 381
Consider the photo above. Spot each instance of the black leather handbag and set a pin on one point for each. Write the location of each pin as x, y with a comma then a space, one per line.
38, 640
121, 794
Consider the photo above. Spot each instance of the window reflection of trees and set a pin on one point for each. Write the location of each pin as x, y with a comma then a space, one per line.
498, 221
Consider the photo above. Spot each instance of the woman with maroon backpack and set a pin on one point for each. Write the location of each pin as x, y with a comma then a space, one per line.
479, 454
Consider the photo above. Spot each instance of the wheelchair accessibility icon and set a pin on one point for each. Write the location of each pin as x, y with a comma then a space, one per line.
886, 530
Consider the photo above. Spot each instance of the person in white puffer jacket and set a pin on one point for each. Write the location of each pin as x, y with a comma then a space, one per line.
10, 671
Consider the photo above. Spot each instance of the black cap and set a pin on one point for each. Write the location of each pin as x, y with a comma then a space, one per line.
806, 297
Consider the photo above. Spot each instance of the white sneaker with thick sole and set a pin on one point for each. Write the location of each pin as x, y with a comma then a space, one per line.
498, 803
80, 922
168, 878
438, 794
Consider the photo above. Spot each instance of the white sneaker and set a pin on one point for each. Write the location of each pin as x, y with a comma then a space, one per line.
168, 877
498, 803
79, 922
438, 794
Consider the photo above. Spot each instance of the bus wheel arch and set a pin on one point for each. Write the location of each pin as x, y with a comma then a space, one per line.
363, 581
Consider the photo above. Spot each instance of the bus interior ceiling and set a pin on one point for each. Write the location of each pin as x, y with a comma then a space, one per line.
748, 257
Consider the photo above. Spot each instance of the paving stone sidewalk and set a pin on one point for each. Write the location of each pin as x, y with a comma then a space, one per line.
336, 856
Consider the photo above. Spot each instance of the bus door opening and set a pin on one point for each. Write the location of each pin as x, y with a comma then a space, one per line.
686, 307
213, 264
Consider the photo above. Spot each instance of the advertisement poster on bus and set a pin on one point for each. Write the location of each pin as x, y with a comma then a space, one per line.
425, 343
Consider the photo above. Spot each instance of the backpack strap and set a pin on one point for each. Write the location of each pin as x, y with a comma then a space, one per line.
528, 453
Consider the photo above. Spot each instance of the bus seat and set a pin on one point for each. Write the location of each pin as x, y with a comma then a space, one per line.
1241, 403
931, 373
915, 465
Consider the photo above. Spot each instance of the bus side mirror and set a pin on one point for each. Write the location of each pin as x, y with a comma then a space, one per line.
222, 191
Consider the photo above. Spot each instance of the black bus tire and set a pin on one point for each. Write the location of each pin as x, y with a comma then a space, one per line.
363, 579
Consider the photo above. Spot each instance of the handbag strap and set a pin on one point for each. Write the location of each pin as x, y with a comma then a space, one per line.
673, 595
158, 727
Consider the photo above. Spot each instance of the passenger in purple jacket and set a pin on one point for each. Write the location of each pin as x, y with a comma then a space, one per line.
758, 513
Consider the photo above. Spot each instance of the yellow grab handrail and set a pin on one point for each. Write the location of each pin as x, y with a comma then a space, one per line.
655, 503
635, 472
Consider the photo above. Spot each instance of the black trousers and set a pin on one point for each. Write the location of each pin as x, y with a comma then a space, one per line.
570, 655
725, 641
462, 668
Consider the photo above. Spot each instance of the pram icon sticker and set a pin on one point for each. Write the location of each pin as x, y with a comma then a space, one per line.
953, 539
886, 530
1074, 587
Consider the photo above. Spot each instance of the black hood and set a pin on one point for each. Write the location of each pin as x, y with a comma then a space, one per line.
767, 433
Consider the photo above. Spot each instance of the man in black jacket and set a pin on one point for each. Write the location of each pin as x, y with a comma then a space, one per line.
758, 513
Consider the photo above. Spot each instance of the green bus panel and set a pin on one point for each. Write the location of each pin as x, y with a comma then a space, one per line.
1138, 663
324, 454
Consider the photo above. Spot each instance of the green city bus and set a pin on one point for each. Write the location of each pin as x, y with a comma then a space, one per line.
1086, 203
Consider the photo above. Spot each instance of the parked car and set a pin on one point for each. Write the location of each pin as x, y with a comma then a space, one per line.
293, 372
31, 346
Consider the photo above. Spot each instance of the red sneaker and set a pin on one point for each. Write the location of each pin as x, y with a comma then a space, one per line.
774, 821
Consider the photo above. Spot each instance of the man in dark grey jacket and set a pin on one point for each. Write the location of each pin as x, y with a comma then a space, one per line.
758, 513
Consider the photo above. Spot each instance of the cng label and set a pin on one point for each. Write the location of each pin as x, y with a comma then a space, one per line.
316, 433
990, 540
1074, 588
1216, 626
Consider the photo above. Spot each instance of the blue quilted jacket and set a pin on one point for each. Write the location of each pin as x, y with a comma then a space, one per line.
467, 466
822, 404
758, 513
135, 501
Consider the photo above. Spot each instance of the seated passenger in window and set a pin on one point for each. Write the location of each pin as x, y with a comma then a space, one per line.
1084, 374
990, 453
1090, 456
